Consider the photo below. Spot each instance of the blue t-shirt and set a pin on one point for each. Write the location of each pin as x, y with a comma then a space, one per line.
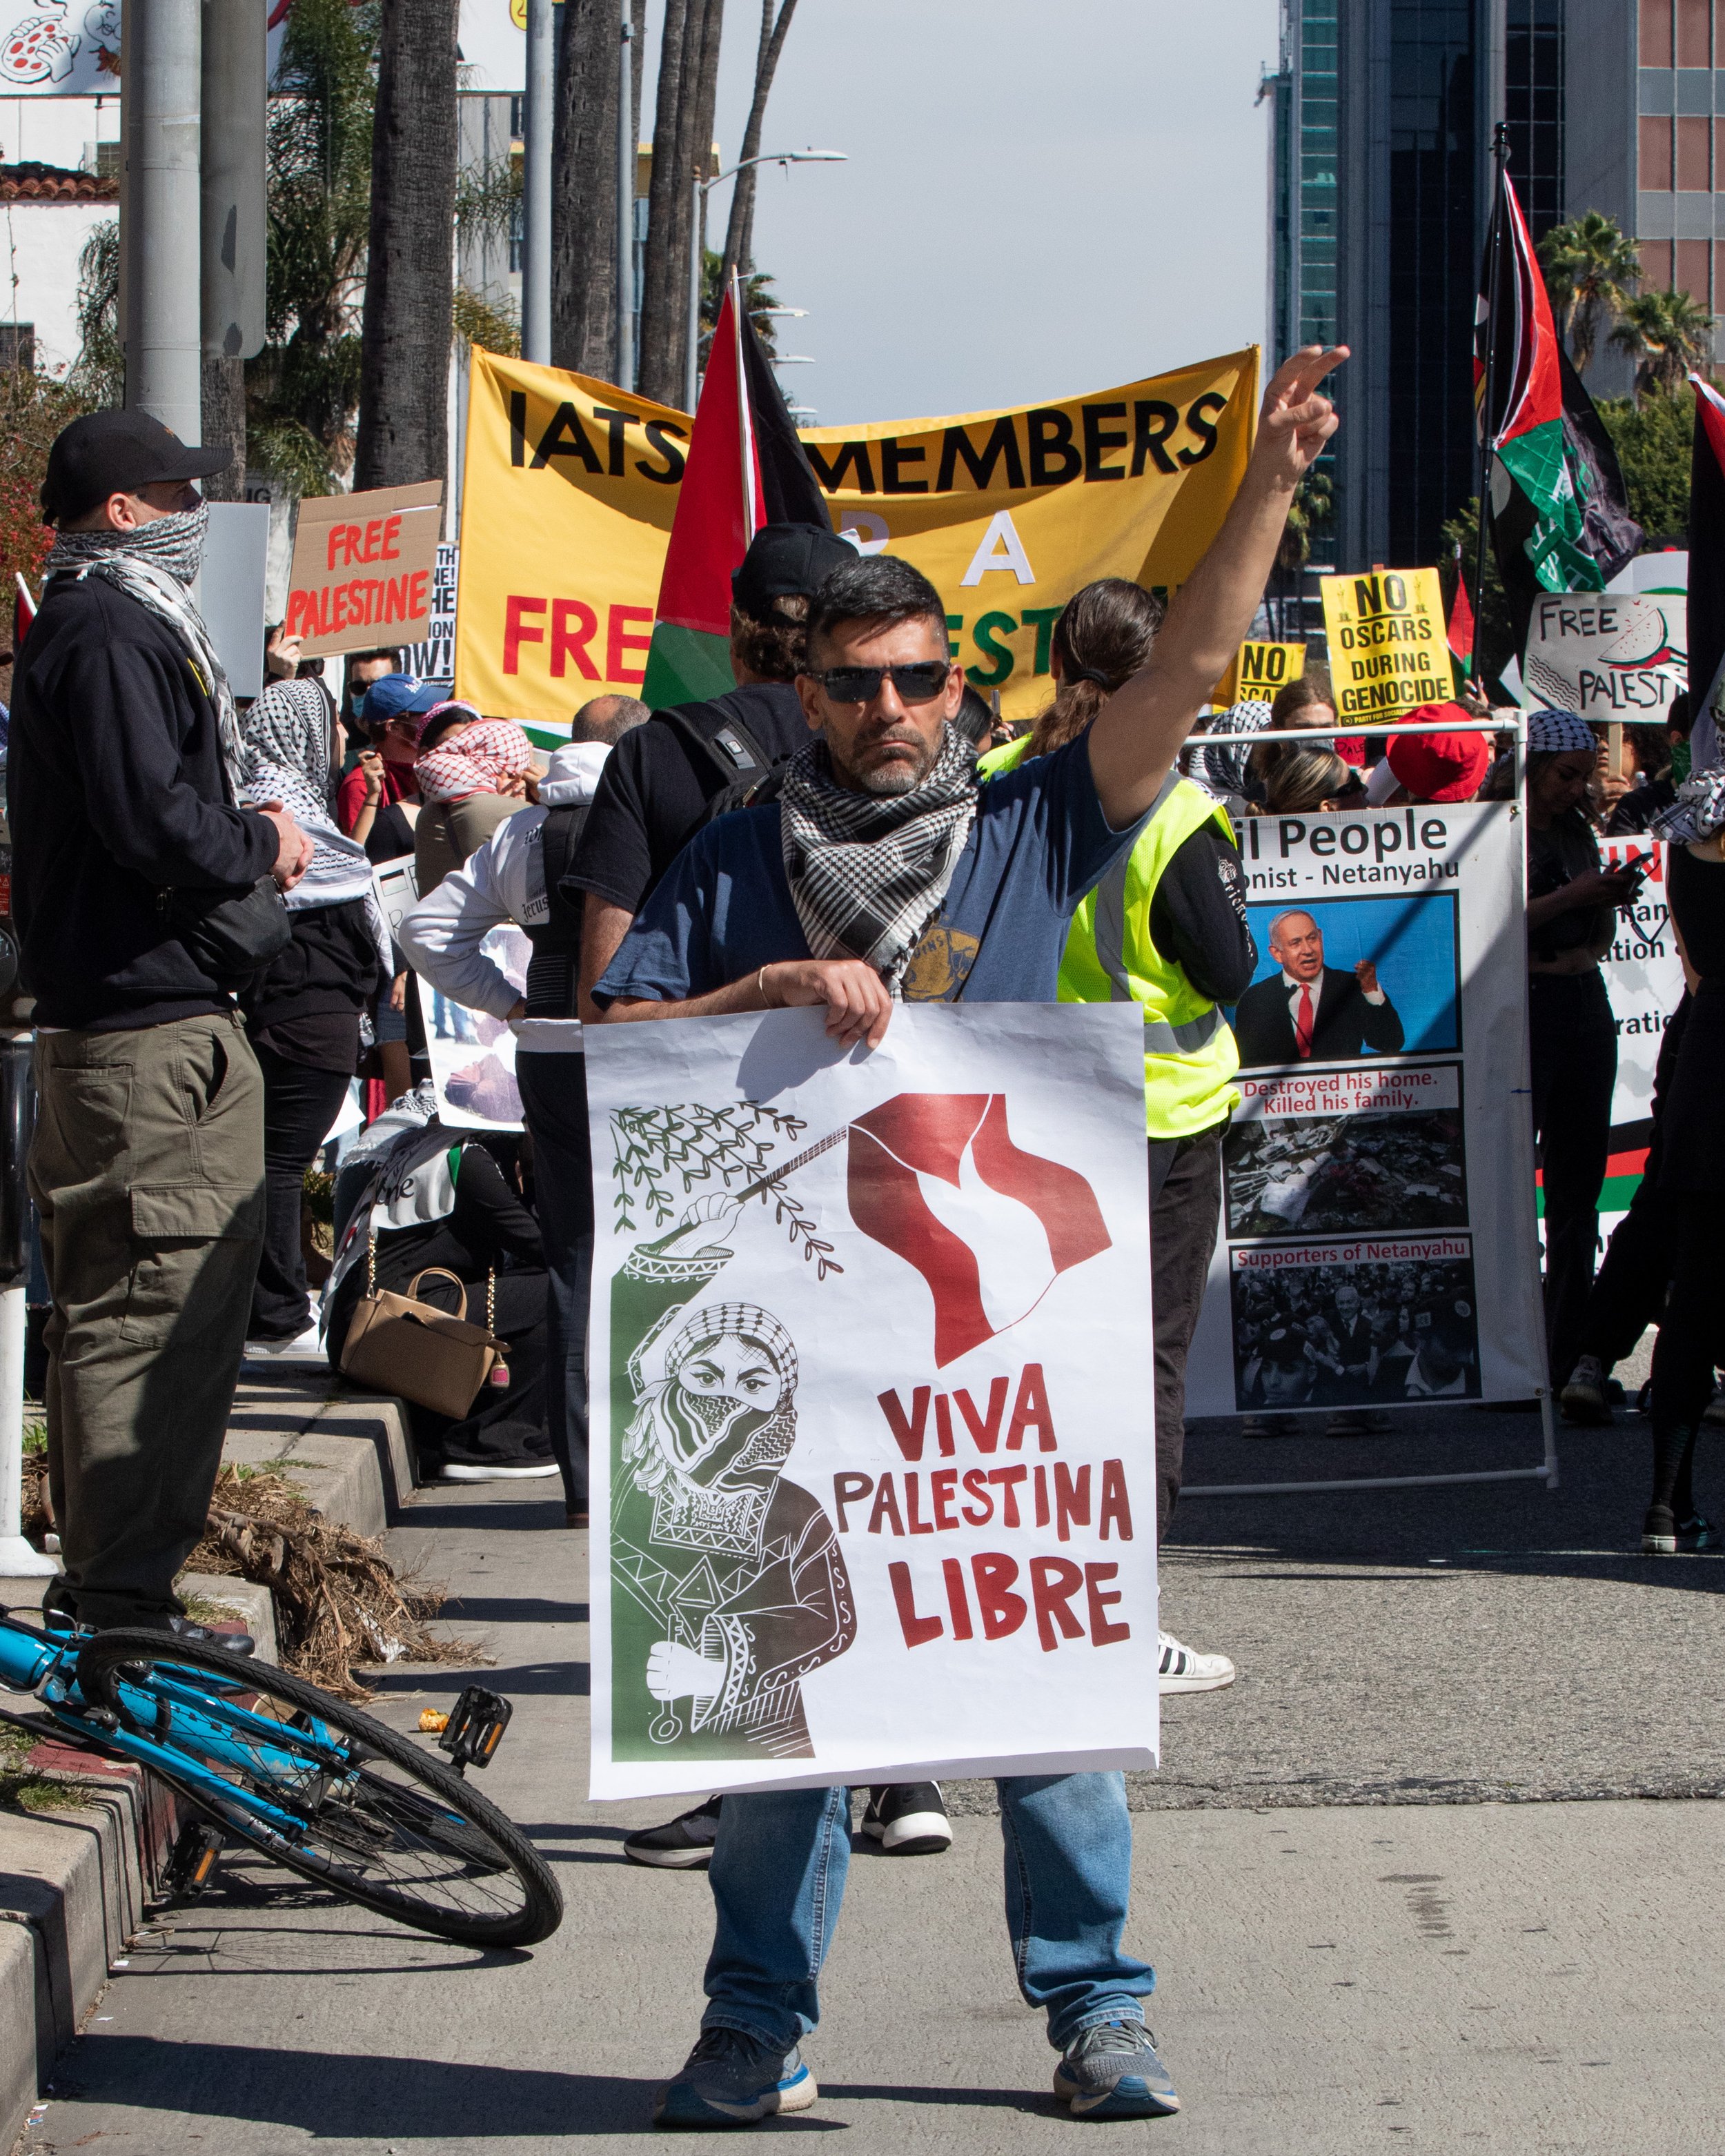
723, 909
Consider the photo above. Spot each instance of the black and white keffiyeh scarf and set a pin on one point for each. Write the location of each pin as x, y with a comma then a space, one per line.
1228, 770
1697, 813
868, 872
157, 564
284, 740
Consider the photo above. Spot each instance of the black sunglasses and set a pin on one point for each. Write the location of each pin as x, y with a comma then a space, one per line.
919, 683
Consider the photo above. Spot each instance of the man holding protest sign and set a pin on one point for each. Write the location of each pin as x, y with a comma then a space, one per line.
882, 871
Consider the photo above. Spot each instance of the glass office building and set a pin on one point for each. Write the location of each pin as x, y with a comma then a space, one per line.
1380, 192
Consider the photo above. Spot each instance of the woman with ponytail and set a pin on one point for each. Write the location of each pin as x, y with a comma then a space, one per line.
1173, 939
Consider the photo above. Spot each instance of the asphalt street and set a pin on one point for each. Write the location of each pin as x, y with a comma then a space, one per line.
1369, 1934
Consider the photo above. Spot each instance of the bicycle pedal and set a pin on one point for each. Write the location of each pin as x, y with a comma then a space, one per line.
192, 1864
475, 1727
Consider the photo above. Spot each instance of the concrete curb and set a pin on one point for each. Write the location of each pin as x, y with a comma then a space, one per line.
74, 1885
350, 1452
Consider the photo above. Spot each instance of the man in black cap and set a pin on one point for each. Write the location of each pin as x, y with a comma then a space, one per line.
660, 779
147, 1162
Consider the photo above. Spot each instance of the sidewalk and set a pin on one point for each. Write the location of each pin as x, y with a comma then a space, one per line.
1514, 1977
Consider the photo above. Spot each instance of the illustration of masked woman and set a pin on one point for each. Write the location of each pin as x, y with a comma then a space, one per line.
733, 1585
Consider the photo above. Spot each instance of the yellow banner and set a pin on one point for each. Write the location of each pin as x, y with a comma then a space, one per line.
568, 494
570, 486
1389, 654
1264, 668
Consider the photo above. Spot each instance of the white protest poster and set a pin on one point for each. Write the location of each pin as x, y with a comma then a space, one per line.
473, 1054
872, 1444
434, 659
397, 883
1644, 978
1378, 1243
1610, 656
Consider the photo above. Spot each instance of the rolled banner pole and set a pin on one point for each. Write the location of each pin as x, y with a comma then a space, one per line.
19, 1560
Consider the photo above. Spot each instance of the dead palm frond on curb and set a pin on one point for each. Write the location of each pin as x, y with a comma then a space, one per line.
339, 1602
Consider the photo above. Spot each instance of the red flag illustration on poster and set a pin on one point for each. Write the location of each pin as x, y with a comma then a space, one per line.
936, 1178
857, 1408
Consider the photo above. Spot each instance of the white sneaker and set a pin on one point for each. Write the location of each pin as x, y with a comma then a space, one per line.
304, 1346
1181, 1669
476, 1470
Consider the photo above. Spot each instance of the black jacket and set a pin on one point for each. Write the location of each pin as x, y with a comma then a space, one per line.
1346, 1025
653, 792
115, 791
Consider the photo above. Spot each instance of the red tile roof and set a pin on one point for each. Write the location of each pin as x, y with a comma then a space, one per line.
46, 183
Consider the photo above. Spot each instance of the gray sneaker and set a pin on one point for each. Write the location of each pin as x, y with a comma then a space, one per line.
1112, 2071
732, 2080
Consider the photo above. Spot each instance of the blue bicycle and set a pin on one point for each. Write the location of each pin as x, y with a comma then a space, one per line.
270, 1760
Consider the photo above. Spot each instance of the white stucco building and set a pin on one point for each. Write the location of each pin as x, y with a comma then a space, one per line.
59, 180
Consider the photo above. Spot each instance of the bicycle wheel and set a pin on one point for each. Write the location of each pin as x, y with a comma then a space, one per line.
372, 1816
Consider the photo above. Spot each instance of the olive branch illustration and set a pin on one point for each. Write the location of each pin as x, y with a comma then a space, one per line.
720, 1157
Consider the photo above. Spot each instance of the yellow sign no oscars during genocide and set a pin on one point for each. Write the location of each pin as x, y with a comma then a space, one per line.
570, 487
1387, 651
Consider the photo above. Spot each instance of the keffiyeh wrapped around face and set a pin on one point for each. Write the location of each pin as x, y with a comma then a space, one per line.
481, 760
1698, 811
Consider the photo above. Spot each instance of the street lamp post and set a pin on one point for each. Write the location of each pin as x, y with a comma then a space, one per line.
697, 233
536, 183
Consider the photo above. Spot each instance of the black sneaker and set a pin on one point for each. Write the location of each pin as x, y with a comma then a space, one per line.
683, 1844
203, 1635
908, 1819
1659, 1532
526, 1467
1697, 1532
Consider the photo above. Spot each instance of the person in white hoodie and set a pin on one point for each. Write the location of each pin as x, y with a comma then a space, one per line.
518, 874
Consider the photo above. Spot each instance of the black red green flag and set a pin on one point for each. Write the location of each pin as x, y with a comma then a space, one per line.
1560, 519
1707, 559
747, 468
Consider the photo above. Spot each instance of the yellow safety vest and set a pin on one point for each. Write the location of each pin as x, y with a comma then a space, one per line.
1189, 1051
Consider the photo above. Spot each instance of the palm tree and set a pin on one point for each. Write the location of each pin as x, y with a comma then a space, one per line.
1591, 270
740, 230
583, 246
1666, 334
682, 143
302, 388
404, 375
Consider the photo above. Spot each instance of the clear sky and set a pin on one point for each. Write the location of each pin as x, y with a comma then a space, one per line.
1042, 197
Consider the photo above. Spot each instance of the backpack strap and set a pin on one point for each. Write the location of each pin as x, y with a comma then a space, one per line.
560, 836
730, 749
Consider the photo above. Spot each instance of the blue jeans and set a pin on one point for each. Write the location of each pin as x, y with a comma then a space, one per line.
553, 1090
778, 1876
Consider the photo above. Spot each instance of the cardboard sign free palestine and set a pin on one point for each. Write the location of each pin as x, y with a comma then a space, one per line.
872, 1424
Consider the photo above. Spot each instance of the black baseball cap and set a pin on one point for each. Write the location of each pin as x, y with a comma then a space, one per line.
786, 561
117, 452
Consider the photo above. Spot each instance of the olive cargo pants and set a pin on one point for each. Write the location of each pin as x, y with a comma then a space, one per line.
147, 1172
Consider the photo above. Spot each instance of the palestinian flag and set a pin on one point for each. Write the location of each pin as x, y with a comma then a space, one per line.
1560, 519
937, 1178
1707, 569
745, 467
1460, 628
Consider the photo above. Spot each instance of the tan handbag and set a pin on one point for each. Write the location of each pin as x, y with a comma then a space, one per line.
398, 1344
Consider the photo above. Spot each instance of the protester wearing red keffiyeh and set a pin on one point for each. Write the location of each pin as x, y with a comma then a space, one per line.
470, 782
482, 758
